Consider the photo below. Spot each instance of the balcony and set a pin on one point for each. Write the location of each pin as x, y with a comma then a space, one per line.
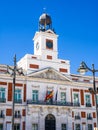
55, 103
77, 117
89, 118
2, 116
2, 100
18, 101
17, 116
88, 105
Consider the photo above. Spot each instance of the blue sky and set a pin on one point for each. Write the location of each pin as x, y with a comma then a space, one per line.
75, 21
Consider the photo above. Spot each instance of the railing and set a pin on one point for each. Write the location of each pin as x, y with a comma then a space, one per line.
2, 116
18, 100
89, 118
88, 105
57, 103
17, 116
77, 117
2, 100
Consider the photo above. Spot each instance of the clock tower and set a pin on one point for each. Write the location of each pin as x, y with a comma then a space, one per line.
45, 40
45, 50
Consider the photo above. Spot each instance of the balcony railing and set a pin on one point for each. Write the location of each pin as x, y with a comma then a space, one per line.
88, 105
17, 116
77, 117
2, 100
57, 103
89, 118
2, 116
18, 100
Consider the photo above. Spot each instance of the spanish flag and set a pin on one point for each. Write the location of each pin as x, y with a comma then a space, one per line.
49, 96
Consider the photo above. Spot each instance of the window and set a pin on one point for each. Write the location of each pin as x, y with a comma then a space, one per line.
63, 97
1, 126
77, 115
97, 99
76, 98
89, 116
35, 127
77, 127
1, 113
18, 95
87, 99
35, 95
90, 127
63, 127
16, 126
17, 114
2, 94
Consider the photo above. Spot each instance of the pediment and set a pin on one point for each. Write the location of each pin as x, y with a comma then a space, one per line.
49, 73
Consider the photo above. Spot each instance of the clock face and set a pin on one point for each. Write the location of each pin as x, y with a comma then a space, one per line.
49, 44
37, 45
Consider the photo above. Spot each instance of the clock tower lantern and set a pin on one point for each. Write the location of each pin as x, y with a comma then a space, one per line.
45, 40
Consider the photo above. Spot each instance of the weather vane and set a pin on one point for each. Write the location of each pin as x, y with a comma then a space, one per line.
44, 10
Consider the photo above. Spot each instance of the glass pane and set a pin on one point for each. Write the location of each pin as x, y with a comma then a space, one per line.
1, 126
76, 98
17, 127
63, 96
35, 95
3, 95
2, 92
97, 99
63, 126
35, 127
77, 126
90, 127
17, 94
88, 99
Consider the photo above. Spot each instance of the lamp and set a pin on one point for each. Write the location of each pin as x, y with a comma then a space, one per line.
82, 70
12, 72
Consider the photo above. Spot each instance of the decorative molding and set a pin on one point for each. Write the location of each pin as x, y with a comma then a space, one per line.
62, 88
58, 111
50, 110
41, 111
37, 87
50, 75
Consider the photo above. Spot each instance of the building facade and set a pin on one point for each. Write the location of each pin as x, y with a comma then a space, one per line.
47, 96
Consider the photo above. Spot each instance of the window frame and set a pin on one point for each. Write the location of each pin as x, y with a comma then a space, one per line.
16, 125
35, 126
79, 126
88, 104
17, 94
63, 125
2, 92
90, 127
74, 98
63, 99
35, 96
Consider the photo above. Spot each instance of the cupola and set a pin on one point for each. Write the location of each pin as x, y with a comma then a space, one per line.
45, 22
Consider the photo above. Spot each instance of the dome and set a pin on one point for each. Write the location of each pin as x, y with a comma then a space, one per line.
45, 19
